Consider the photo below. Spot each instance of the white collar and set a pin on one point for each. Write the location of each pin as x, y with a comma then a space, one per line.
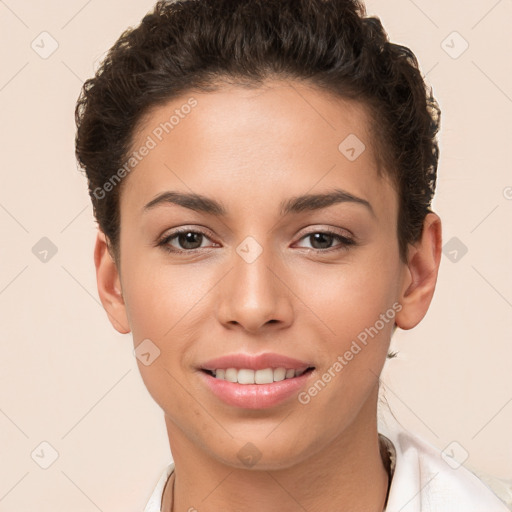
423, 481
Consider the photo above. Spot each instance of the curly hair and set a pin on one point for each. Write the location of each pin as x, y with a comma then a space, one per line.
187, 45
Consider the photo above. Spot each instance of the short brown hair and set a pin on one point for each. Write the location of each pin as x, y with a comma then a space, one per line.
189, 45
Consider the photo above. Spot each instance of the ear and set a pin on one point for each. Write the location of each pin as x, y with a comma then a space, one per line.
109, 285
420, 274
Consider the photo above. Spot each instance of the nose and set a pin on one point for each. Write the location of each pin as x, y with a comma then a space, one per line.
254, 294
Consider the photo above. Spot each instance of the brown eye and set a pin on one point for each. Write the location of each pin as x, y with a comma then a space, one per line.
184, 240
189, 240
322, 241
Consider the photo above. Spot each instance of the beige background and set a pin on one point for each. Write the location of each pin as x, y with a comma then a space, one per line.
68, 379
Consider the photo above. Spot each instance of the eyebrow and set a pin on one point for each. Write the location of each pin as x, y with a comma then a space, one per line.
293, 205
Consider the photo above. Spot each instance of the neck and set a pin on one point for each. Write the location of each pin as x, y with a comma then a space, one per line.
347, 474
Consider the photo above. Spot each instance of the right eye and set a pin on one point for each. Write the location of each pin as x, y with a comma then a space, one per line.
190, 240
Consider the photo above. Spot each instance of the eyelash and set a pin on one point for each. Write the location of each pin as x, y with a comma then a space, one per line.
164, 242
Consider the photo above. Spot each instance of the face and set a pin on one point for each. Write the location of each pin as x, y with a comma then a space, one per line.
258, 271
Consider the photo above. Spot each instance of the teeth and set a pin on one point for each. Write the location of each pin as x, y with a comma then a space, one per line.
280, 374
245, 377
265, 376
231, 375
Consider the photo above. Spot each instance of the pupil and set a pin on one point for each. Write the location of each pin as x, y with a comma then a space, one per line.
186, 239
321, 237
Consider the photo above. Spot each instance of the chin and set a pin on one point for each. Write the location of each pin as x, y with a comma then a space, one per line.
260, 453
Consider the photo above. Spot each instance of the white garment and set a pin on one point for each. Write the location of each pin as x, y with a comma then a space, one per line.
422, 481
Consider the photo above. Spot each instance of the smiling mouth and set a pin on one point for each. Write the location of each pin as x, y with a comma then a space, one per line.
263, 376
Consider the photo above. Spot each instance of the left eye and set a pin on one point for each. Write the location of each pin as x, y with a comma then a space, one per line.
323, 238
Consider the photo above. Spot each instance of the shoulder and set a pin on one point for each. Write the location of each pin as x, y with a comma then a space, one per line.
427, 480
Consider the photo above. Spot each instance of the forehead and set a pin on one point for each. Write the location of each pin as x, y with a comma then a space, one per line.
268, 142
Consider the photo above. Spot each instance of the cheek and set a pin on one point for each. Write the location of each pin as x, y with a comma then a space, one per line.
160, 298
143, 303
357, 310
355, 305
348, 298
159, 305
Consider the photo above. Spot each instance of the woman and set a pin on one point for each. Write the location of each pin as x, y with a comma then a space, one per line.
262, 173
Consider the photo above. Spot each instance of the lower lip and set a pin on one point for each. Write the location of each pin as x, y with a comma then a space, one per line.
255, 396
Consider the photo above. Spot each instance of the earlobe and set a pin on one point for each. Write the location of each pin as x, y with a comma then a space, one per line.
109, 285
420, 274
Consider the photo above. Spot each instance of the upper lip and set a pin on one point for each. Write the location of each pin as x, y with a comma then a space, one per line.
255, 362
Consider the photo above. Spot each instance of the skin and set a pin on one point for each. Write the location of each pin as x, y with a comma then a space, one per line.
250, 149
